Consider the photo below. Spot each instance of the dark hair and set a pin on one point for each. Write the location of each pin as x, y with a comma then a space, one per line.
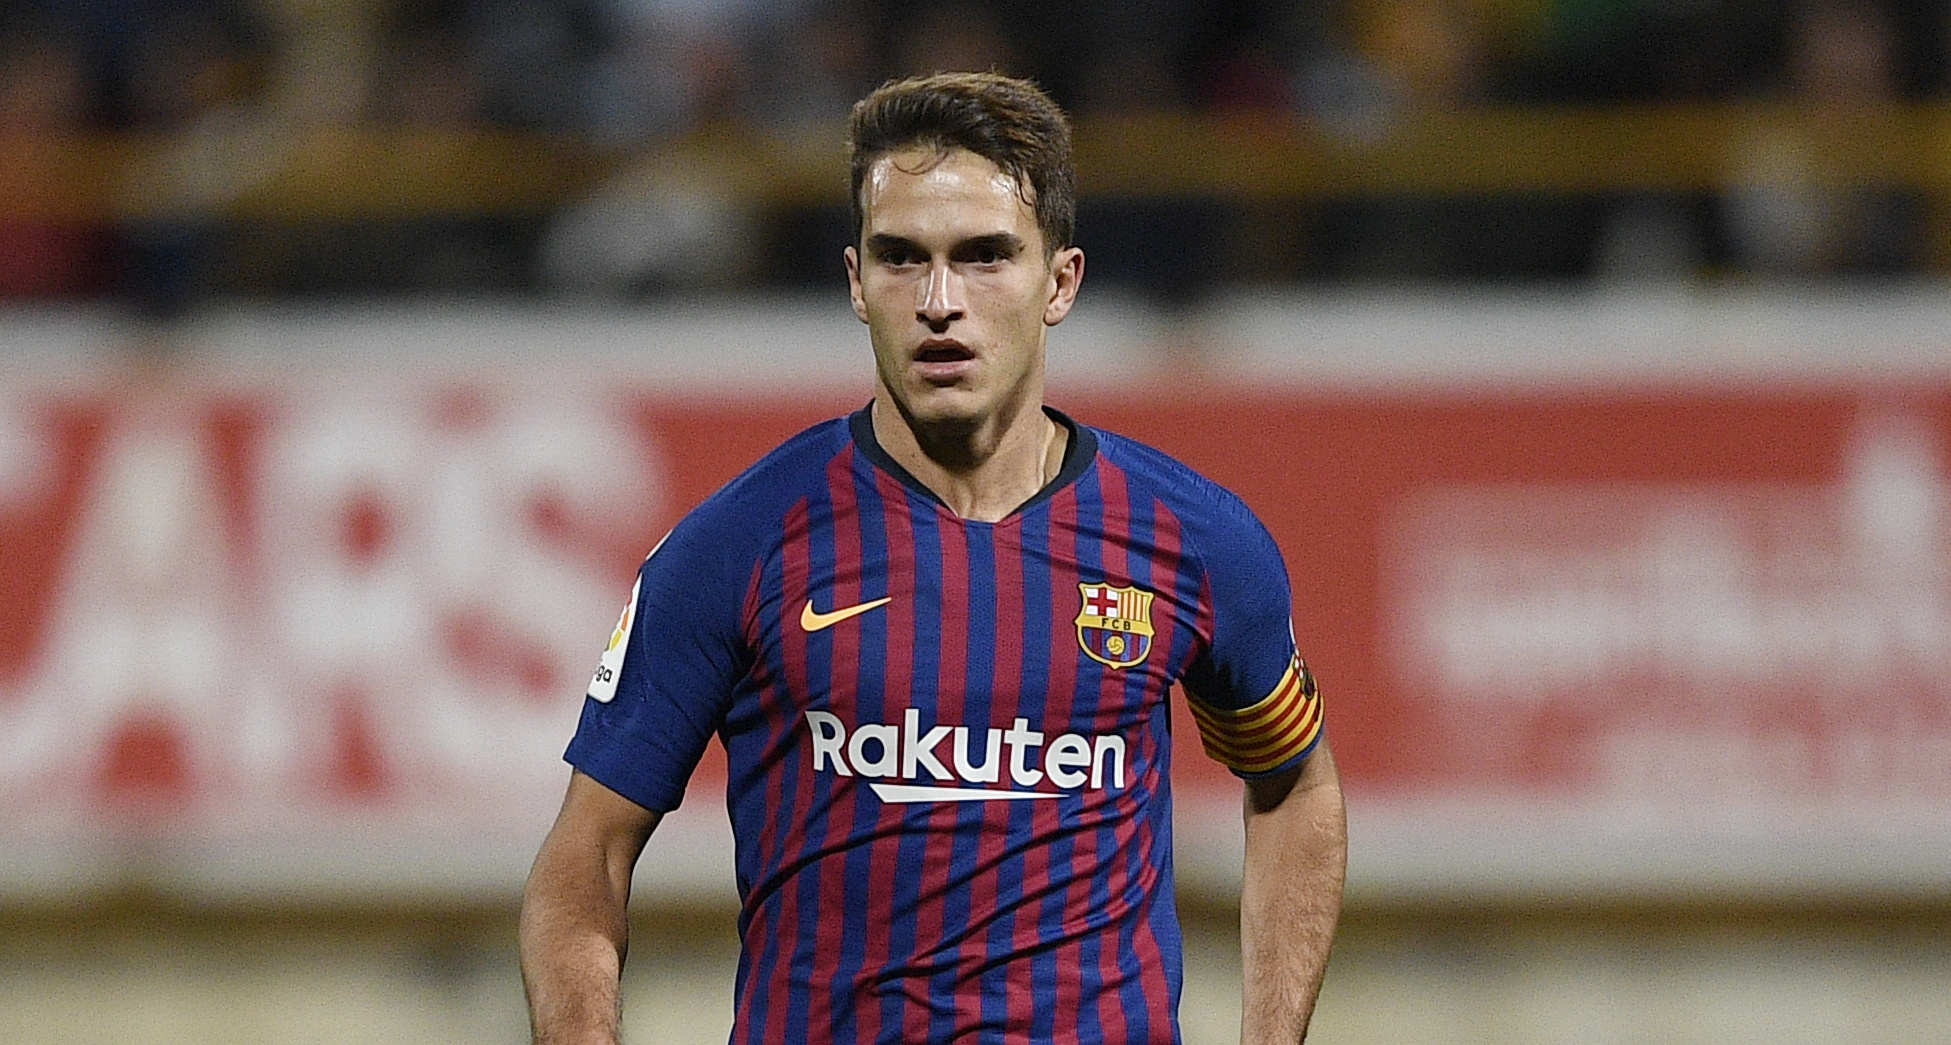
1009, 122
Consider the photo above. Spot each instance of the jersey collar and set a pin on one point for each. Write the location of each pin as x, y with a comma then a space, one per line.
1079, 451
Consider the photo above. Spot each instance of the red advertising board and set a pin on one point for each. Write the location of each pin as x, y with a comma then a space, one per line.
326, 606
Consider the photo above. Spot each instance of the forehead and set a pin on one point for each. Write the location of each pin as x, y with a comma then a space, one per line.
922, 189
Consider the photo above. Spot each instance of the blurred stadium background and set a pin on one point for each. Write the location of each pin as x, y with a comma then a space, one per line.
1590, 358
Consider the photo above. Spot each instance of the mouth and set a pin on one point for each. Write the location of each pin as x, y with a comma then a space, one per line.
942, 361
943, 351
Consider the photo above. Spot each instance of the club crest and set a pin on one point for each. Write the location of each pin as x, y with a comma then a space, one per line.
1114, 626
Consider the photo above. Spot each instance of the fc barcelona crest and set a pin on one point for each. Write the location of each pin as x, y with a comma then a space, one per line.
1115, 624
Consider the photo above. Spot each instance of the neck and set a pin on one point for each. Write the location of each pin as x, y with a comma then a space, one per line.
982, 471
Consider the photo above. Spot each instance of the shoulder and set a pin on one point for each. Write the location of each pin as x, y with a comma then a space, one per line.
736, 524
762, 493
1246, 609
1214, 517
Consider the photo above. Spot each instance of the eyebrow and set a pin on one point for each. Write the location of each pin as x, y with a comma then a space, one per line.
881, 243
1007, 243
1001, 242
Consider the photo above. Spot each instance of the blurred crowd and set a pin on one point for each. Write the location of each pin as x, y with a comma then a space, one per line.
629, 74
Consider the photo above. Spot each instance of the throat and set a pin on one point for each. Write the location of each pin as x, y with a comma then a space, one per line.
980, 475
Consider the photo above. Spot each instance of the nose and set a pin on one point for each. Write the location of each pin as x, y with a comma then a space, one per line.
941, 301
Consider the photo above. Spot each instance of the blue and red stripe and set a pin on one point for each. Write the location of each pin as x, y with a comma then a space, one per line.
992, 920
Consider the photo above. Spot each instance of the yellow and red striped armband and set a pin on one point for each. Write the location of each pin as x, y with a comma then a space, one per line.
1260, 737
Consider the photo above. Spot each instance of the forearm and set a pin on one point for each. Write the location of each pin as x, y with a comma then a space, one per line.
573, 941
575, 927
1296, 855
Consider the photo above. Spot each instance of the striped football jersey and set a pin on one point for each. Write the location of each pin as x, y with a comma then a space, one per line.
947, 741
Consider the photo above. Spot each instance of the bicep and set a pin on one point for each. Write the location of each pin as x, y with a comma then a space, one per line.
1297, 823
1315, 778
598, 830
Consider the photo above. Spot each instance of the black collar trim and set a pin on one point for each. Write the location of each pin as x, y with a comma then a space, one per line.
1079, 451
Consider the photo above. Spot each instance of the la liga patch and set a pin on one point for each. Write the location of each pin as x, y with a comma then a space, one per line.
602, 686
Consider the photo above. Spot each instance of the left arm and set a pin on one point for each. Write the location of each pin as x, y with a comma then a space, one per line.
1296, 857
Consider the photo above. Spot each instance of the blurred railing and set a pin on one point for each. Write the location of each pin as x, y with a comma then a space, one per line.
1551, 150
260, 170
265, 173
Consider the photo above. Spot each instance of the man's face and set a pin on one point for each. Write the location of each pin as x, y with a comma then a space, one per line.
951, 279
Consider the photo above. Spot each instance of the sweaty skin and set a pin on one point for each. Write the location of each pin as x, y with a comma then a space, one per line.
958, 291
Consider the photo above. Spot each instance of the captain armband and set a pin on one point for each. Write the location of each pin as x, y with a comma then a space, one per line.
1267, 733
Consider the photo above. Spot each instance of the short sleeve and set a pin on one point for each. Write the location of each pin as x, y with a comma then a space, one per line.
1254, 700
666, 676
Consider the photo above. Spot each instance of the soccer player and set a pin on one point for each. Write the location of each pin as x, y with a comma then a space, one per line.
936, 639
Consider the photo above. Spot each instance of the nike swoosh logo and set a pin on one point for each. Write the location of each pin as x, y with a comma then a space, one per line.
813, 620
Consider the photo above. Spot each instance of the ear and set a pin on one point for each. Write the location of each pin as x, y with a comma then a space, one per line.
853, 283
1066, 273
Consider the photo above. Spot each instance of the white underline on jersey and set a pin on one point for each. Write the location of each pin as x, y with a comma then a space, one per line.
917, 793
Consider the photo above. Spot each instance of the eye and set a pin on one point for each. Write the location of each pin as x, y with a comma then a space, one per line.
985, 254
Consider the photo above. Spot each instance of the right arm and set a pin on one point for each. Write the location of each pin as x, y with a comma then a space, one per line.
575, 927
